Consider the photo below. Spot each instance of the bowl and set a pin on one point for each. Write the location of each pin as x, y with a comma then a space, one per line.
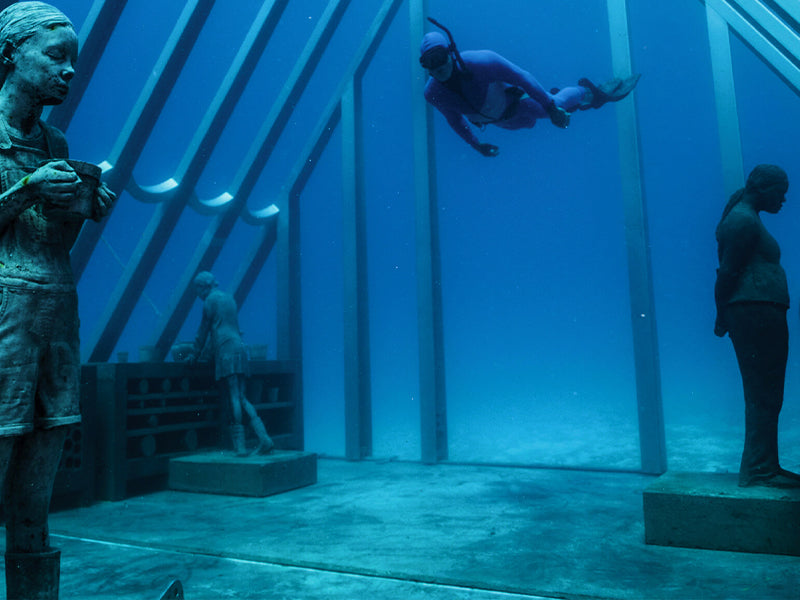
82, 204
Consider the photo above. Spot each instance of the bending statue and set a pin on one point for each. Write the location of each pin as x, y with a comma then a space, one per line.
220, 323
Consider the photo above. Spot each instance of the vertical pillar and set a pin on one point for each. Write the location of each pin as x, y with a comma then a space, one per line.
288, 300
110, 400
433, 413
357, 401
652, 443
725, 97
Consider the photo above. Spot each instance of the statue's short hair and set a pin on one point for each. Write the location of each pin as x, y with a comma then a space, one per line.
764, 177
205, 279
23, 20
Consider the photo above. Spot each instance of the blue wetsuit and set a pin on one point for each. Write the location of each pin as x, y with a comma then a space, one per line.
487, 97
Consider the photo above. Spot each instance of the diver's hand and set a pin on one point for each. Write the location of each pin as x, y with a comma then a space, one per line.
558, 116
488, 149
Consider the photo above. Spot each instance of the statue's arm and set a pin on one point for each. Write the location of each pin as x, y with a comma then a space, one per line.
202, 331
14, 201
737, 241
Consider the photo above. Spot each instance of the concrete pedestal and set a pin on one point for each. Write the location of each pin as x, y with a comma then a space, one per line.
222, 472
709, 510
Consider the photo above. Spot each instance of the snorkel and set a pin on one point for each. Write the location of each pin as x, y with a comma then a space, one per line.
452, 47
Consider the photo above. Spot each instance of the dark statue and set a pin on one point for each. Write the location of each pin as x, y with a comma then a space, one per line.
220, 327
752, 298
44, 202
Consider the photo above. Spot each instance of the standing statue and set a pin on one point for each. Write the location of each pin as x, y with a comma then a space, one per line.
221, 323
43, 204
752, 298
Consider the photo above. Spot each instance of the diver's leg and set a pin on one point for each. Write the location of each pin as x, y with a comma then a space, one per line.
570, 98
528, 111
612, 90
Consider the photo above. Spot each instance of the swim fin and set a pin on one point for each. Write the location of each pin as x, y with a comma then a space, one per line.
610, 91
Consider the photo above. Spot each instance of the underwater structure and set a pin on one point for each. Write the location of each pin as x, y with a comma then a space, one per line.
256, 227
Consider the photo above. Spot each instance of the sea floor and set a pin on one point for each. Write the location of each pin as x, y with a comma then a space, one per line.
394, 530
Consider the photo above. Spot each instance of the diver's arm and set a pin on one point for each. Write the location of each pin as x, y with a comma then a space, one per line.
501, 69
460, 125
455, 119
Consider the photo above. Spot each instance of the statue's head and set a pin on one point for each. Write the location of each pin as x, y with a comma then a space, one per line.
434, 56
768, 185
763, 178
22, 21
203, 283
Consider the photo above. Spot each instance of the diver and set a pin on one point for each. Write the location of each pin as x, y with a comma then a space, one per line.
483, 88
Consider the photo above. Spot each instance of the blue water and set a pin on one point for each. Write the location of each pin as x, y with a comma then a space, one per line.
539, 359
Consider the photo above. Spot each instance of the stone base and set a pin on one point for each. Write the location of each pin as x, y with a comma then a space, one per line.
221, 472
710, 510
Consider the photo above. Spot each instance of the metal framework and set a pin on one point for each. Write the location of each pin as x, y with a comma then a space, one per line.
769, 27
652, 443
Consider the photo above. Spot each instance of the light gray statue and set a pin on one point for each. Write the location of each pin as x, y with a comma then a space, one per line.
220, 325
752, 297
43, 203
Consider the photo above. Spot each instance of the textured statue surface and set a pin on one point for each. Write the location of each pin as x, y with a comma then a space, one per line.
752, 297
220, 328
43, 204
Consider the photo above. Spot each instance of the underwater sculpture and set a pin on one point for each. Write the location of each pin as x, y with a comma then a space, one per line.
483, 88
752, 297
43, 205
220, 325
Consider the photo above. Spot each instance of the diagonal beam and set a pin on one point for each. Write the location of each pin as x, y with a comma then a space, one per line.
245, 179
790, 7
774, 26
157, 233
730, 140
289, 300
757, 26
250, 266
305, 164
118, 167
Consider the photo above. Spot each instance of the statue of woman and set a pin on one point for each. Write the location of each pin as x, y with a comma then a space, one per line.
220, 328
40, 367
752, 298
